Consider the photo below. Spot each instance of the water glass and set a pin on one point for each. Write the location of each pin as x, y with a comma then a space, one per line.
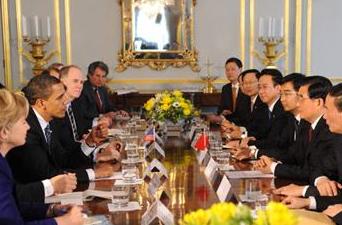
129, 172
132, 152
120, 196
222, 158
252, 189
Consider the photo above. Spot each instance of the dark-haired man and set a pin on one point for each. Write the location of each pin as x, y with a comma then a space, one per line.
331, 164
43, 156
232, 97
269, 93
94, 98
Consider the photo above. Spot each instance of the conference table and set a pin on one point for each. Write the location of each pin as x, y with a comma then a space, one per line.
186, 189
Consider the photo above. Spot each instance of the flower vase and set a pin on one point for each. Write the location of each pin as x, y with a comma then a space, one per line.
174, 129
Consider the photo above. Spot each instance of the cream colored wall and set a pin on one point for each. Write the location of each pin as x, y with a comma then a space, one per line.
96, 35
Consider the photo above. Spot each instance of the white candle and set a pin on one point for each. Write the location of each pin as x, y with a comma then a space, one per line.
282, 27
269, 27
24, 24
48, 27
36, 25
261, 27
273, 27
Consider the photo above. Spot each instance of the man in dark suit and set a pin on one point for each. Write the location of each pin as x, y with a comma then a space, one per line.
330, 175
255, 116
269, 91
233, 101
70, 129
42, 156
94, 98
311, 147
290, 101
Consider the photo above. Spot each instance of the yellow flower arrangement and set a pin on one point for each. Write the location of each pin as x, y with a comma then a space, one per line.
230, 214
169, 106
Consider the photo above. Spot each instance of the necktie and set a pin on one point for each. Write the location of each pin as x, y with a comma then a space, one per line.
296, 126
234, 96
252, 106
73, 123
98, 101
310, 131
269, 114
47, 132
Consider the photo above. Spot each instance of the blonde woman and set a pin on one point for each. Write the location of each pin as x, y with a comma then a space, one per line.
13, 129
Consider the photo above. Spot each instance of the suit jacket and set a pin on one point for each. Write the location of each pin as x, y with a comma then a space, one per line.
331, 167
88, 102
274, 127
257, 125
239, 116
35, 161
63, 130
307, 156
14, 214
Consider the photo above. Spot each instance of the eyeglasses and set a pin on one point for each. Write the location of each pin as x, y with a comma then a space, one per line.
287, 94
249, 83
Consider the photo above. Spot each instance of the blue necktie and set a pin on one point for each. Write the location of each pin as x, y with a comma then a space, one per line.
47, 132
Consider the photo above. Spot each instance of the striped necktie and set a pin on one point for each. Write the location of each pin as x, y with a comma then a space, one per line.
73, 123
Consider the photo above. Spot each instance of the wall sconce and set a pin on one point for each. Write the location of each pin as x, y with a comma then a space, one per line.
271, 34
37, 56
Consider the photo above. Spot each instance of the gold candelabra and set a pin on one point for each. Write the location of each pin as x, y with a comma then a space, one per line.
271, 54
209, 80
37, 56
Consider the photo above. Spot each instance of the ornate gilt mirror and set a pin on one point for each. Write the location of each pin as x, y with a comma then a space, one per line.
158, 34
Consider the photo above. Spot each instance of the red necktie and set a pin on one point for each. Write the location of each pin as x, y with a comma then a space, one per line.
98, 101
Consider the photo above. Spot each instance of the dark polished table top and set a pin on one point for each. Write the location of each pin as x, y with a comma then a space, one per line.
186, 189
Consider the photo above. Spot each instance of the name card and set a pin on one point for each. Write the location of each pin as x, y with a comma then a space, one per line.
211, 168
159, 139
157, 211
196, 129
154, 151
154, 184
223, 189
201, 155
156, 166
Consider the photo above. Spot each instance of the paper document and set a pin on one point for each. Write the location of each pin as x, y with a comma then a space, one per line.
247, 174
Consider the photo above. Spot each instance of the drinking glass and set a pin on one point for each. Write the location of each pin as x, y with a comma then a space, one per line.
132, 152
252, 191
120, 196
129, 172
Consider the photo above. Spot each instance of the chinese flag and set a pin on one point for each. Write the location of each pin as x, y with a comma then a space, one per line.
202, 142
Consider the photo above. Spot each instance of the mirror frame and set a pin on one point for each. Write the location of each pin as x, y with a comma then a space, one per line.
156, 59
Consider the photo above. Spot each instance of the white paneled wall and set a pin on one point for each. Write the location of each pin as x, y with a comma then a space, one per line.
96, 35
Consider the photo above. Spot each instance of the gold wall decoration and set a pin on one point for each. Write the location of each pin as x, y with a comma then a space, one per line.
149, 39
6, 43
57, 51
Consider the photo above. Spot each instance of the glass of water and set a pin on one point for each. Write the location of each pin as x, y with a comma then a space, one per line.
252, 191
129, 172
120, 196
222, 158
132, 153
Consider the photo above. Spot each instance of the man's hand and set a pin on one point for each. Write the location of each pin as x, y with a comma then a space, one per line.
244, 141
117, 145
328, 187
242, 154
103, 170
108, 154
97, 135
296, 203
64, 183
264, 164
233, 144
333, 210
290, 190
